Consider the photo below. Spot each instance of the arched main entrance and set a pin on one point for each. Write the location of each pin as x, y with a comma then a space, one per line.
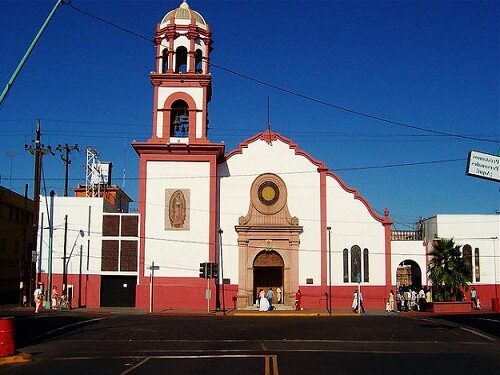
409, 274
268, 272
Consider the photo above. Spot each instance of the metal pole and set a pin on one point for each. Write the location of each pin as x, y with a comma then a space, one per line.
208, 294
28, 52
80, 279
151, 287
329, 229
222, 272
64, 274
51, 240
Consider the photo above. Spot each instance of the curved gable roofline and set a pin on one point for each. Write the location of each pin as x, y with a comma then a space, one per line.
269, 136
386, 220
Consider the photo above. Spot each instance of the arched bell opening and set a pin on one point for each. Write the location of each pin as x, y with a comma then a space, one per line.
181, 55
179, 119
198, 61
268, 272
164, 60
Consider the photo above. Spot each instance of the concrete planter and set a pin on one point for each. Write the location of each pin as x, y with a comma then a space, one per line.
452, 307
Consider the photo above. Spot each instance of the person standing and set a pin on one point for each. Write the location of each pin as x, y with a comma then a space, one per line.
38, 296
298, 297
53, 297
357, 302
263, 303
270, 296
391, 301
473, 297
278, 295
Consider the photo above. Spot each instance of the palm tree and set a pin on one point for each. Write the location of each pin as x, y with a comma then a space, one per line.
447, 269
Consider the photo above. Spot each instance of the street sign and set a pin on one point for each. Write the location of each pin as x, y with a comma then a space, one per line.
483, 165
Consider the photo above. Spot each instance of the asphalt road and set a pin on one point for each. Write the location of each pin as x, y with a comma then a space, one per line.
76, 343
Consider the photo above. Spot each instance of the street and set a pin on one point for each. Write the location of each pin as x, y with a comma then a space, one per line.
104, 343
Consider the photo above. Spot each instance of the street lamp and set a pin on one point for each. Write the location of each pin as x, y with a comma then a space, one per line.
329, 229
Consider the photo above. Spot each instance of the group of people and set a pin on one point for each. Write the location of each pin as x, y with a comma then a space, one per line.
408, 299
55, 300
265, 300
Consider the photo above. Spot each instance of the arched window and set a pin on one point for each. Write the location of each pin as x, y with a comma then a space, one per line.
198, 61
164, 60
476, 264
345, 255
179, 119
181, 54
355, 264
467, 257
366, 266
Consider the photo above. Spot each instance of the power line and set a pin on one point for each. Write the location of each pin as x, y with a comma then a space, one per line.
295, 93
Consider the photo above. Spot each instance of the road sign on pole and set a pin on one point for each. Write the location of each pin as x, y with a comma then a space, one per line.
152, 268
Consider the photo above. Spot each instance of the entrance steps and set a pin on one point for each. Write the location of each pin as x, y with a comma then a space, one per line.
278, 307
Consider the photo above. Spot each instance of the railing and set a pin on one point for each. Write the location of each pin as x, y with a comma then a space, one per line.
406, 235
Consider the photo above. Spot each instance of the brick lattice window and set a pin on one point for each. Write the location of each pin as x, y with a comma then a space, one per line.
109, 255
111, 225
128, 256
130, 226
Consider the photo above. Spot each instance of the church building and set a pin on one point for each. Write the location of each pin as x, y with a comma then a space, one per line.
265, 215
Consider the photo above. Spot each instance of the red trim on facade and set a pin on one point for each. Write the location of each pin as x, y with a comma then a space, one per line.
213, 210
179, 95
269, 136
142, 211
155, 111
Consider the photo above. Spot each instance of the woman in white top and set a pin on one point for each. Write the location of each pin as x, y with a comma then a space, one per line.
263, 302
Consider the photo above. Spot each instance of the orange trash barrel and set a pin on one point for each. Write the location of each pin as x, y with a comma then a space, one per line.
7, 342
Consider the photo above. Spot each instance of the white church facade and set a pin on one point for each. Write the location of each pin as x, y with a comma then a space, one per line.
268, 213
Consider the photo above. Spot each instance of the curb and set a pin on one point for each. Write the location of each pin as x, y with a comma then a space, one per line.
15, 358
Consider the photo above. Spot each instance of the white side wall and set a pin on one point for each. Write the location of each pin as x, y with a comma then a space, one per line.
302, 181
351, 225
178, 253
408, 250
478, 231
77, 210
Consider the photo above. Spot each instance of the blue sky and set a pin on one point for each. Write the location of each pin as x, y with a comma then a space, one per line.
434, 65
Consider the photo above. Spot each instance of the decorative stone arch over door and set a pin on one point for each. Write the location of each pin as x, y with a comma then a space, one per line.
268, 227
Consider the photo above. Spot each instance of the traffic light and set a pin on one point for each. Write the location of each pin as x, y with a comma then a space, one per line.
215, 270
203, 270
209, 270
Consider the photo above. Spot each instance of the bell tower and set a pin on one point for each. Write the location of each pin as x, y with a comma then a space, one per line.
178, 175
182, 82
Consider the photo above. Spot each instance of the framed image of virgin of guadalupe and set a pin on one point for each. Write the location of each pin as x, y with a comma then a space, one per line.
177, 209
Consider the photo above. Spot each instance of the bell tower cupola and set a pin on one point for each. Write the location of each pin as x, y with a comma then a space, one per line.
182, 81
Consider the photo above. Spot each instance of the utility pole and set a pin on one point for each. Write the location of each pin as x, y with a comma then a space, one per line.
38, 150
28, 52
66, 149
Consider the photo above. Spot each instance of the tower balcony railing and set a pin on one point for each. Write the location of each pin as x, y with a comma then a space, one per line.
406, 235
